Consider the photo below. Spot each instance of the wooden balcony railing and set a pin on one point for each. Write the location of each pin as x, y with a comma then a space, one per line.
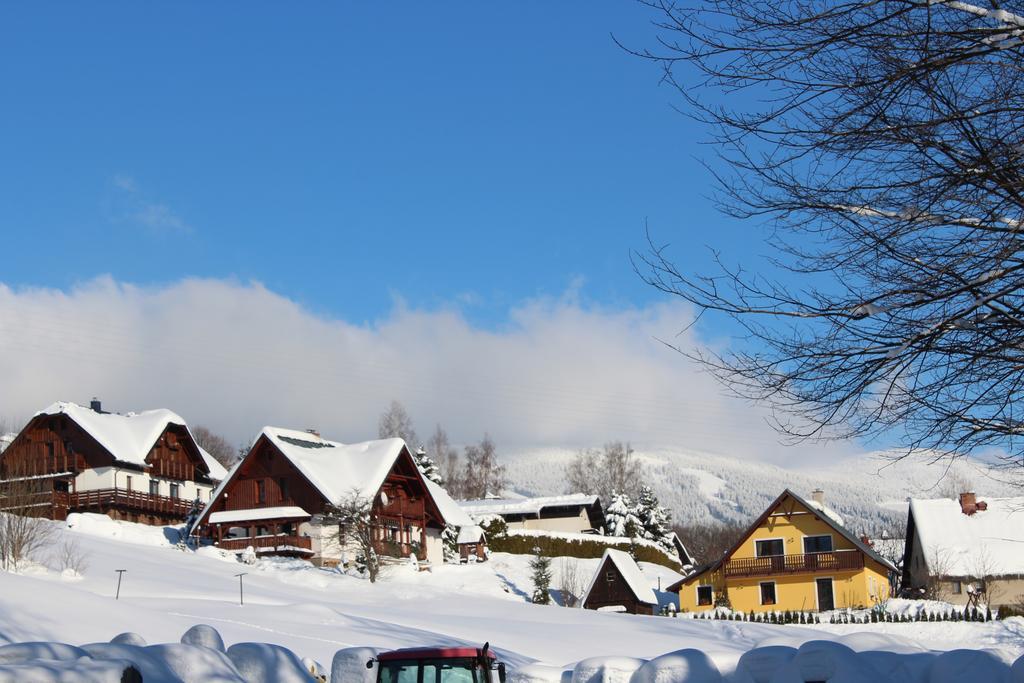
838, 561
280, 543
133, 500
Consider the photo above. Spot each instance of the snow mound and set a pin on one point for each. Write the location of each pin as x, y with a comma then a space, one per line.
129, 638
969, 665
681, 666
203, 635
349, 665
536, 673
196, 664
84, 670
19, 653
95, 524
606, 669
761, 663
824, 660
265, 663
149, 663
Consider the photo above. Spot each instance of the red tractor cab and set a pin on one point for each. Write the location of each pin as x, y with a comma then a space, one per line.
439, 665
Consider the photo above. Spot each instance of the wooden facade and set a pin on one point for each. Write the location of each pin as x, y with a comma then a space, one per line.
267, 478
610, 589
48, 456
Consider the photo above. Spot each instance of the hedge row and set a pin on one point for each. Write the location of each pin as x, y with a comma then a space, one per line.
557, 547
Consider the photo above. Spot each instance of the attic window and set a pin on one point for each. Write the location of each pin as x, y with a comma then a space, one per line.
609, 577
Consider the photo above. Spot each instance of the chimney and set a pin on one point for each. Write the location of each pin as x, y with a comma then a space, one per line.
968, 503
314, 432
95, 405
818, 496
866, 541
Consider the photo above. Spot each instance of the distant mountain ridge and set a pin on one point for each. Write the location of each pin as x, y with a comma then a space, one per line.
870, 492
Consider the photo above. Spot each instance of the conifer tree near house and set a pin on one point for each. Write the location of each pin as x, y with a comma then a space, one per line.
655, 520
427, 466
540, 567
620, 518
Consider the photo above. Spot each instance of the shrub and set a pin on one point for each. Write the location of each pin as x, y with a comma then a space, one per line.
551, 546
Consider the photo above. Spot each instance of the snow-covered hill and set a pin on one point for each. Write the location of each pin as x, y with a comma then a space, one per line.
869, 492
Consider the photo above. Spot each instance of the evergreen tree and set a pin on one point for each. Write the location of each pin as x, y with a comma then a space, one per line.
540, 567
427, 466
619, 518
655, 519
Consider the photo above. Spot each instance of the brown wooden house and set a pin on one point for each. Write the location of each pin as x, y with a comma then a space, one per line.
142, 467
619, 586
275, 498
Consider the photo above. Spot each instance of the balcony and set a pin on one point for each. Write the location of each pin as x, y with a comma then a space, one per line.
838, 561
272, 543
128, 500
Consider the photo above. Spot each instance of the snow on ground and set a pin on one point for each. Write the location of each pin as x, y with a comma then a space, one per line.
315, 612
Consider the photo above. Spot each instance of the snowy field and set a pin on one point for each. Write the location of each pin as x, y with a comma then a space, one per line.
316, 612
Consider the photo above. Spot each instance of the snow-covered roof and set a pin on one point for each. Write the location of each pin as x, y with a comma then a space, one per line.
989, 542
630, 572
6, 439
827, 511
217, 471
449, 509
525, 506
130, 437
470, 534
337, 470
255, 514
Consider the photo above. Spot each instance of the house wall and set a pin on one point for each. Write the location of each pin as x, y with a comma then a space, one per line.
575, 524
114, 477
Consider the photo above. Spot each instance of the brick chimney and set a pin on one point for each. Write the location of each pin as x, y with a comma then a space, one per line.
818, 496
314, 432
95, 405
968, 503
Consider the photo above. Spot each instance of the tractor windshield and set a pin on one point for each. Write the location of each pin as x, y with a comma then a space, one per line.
432, 671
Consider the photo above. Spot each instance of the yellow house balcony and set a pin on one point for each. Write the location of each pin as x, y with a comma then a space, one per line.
808, 563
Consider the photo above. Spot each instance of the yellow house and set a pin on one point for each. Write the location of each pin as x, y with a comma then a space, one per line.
796, 556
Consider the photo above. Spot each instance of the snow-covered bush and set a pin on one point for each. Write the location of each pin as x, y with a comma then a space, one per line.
266, 663
606, 669
349, 665
682, 666
129, 638
761, 663
196, 664
957, 666
203, 635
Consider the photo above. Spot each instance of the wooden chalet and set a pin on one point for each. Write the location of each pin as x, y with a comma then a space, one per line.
141, 467
274, 500
619, 586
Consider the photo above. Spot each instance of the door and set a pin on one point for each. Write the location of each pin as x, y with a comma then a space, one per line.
825, 598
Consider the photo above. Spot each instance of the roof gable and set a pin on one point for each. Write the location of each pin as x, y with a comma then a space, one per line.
630, 572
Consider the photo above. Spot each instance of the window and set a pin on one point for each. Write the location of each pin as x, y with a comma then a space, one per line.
958, 588
768, 593
609, 577
818, 544
154, 487
282, 484
128, 483
705, 595
174, 490
771, 547
261, 491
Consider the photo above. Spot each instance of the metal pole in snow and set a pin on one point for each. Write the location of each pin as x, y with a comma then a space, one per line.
241, 596
120, 573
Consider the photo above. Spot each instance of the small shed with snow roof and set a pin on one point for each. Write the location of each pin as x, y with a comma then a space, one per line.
619, 585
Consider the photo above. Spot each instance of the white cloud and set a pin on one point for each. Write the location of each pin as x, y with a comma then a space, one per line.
129, 204
237, 356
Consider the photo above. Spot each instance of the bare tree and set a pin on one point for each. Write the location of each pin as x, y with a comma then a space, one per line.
883, 144
570, 583
25, 505
483, 474
358, 526
216, 445
605, 472
709, 541
396, 423
446, 458
71, 556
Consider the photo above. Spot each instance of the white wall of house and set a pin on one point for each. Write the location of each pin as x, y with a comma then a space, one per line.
114, 477
435, 546
576, 524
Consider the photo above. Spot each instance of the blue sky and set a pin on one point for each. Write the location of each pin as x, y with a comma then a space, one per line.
346, 154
